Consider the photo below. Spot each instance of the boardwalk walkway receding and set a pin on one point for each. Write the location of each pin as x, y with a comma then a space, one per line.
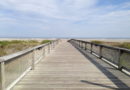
66, 68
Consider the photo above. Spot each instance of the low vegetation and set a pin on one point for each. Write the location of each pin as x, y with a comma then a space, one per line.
97, 42
8, 47
116, 44
45, 41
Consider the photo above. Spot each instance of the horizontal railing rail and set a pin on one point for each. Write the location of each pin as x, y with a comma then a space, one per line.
13, 67
115, 55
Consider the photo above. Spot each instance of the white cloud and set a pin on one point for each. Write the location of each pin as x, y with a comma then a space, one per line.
78, 4
50, 8
63, 9
63, 14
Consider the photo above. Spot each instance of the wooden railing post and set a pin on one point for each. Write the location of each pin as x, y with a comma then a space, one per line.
79, 43
91, 51
100, 52
119, 60
44, 51
53, 44
2, 76
85, 46
49, 48
33, 60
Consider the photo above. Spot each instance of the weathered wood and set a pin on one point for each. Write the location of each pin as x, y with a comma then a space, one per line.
68, 69
33, 60
2, 76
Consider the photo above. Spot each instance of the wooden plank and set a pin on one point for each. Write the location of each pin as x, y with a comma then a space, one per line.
68, 69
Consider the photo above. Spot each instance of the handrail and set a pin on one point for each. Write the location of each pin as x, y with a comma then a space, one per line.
11, 56
13, 67
17, 54
115, 55
111, 47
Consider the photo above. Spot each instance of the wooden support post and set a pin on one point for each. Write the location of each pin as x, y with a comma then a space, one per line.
85, 46
100, 52
49, 48
91, 51
119, 61
33, 60
2, 76
79, 43
53, 44
82, 45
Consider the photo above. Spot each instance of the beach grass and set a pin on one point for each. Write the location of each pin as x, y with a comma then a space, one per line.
115, 44
45, 41
9, 47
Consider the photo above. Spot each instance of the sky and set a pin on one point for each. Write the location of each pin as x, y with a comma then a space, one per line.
65, 18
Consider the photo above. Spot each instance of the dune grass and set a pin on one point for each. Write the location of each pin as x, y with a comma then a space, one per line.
97, 42
9, 47
45, 41
116, 44
124, 45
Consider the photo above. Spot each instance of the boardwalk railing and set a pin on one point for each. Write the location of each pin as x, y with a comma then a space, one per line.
115, 55
14, 67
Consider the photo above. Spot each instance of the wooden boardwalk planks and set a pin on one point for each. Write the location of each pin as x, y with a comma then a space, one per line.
67, 69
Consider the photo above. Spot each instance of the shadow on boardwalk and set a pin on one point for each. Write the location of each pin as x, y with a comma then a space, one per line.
107, 70
97, 84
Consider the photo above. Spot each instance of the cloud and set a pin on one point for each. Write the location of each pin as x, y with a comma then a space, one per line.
79, 4
64, 16
49, 8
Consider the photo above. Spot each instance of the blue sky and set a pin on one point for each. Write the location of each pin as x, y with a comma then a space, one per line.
65, 18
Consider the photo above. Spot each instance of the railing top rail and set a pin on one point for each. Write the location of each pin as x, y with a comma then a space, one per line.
20, 53
110, 47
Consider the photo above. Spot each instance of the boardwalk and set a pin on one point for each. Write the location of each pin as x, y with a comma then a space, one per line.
68, 69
